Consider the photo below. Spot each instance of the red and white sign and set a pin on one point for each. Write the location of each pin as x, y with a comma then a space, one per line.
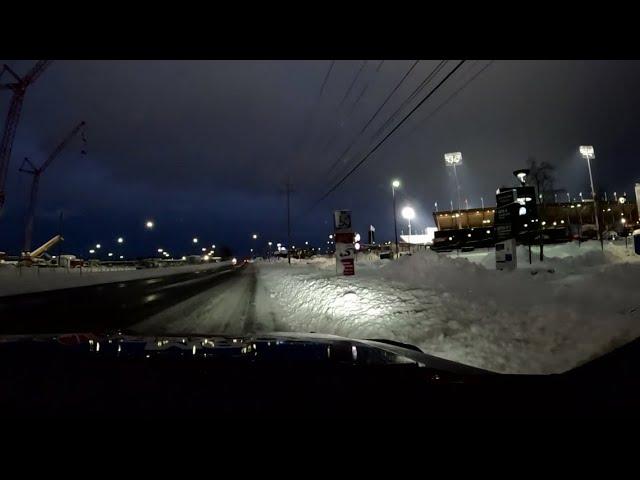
347, 266
344, 239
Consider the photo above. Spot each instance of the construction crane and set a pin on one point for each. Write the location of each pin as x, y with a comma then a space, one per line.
19, 89
34, 257
36, 172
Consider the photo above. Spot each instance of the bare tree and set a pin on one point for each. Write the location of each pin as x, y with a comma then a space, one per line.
542, 176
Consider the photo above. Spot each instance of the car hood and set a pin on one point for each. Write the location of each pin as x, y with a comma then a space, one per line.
299, 348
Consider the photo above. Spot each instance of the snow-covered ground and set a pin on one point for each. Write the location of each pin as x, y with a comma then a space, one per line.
15, 280
542, 318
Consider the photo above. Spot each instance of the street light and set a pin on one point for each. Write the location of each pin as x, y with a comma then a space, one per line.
97, 245
160, 250
521, 175
408, 214
203, 249
454, 159
110, 254
588, 153
120, 240
254, 236
195, 240
213, 247
395, 184
92, 251
149, 224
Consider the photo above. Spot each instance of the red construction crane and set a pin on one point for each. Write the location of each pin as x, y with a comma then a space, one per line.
19, 88
36, 172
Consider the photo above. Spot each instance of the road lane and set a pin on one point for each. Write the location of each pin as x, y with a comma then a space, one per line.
104, 307
227, 308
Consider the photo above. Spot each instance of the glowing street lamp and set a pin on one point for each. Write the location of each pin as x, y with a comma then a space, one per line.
254, 236
408, 214
395, 184
203, 249
195, 240
521, 175
149, 224
92, 251
588, 153
98, 245
120, 240
160, 250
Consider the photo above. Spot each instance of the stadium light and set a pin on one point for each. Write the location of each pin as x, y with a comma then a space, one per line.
454, 159
588, 153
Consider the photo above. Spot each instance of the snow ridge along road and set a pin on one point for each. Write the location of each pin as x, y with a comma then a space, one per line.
16, 280
545, 318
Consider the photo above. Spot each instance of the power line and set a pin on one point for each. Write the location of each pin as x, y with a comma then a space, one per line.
404, 77
332, 139
364, 89
326, 77
310, 117
355, 79
393, 130
375, 114
452, 96
417, 90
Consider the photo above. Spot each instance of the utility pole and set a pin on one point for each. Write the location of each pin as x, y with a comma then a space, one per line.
19, 89
60, 233
288, 187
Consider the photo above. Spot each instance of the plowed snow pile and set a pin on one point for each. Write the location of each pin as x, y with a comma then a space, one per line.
542, 318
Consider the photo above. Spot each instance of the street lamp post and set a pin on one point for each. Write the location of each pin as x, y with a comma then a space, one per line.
395, 184
454, 159
588, 153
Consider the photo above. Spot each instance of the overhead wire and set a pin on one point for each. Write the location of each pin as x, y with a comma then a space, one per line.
390, 133
375, 114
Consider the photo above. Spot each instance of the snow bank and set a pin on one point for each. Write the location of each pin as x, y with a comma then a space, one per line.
15, 280
526, 321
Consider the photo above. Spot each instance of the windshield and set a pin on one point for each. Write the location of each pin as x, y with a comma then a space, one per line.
482, 211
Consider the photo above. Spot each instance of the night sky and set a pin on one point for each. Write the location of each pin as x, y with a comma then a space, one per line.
204, 147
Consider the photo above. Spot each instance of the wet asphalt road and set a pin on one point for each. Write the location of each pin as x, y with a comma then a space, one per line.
196, 302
